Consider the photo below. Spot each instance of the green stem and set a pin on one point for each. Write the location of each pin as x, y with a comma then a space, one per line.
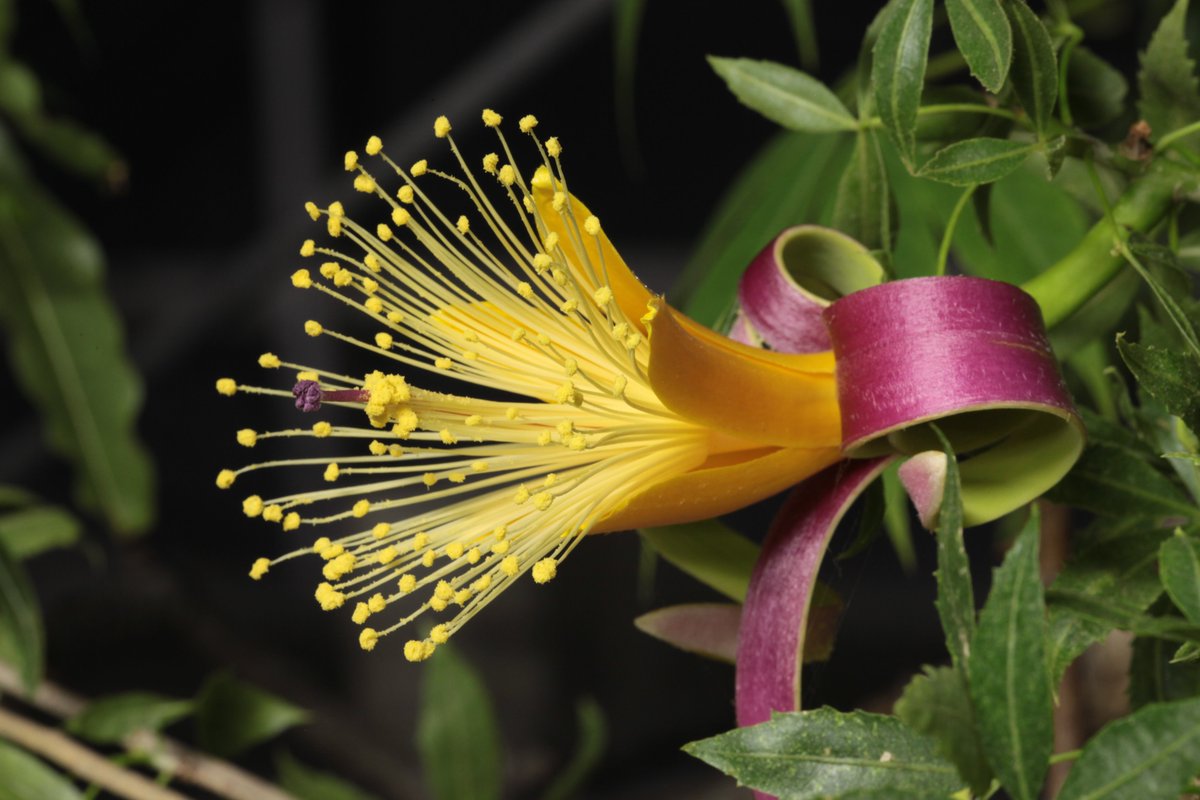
1070, 755
947, 108
1178, 133
1073, 37
1069, 283
951, 224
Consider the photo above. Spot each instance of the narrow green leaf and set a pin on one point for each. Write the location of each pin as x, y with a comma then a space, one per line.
15, 496
1179, 566
1009, 684
1153, 753
864, 208
897, 519
1169, 92
974, 161
233, 716
898, 70
627, 27
593, 735
956, 596
1034, 65
21, 638
936, 704
456, 731
784, 95
1171, 378
984, 37
1097, 89
1154, 679
709, 551
1113, 481
786, 183
804, 31
65, 341
825, 753
108, 720
28, 532
27, 778
1119, 615
307, 783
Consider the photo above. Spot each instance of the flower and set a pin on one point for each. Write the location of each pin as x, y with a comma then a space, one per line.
594, 406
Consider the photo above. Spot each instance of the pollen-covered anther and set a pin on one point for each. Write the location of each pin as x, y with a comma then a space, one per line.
550, 241
405, 194
309, 248
225, 478
545, 570
419, 168
447, 436
311, 208
371, 262
490, 162
343, 278
227, 387
525, 290
364, 183
542, 500
441, 127
491, 118
463, 224
443, 363
361, 508
383, 232
416, 650
454, 550
259, 568
368, 638
567, 394
373, 305
331, 472
329, 269
406, 583
350, 162
592, 225
521, 495
313, 328
553, 147
527, 123
374, 145
400, 217
334, 226
328, 597
322, 430
558, 201
273, 513
603, 296
301, 279
511, 565
507, 175
440, 634
383, 340
387, 555
541, 262
291, 521
247, 437
252, 506
381, 530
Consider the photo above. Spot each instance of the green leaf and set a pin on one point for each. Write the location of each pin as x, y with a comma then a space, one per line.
984, 38
1114, 481
824, 753
897, 520
1154, 679
710, 552
1034, 65
233, 716
307, 783
804, 31
1153, 753
1179, 566
864, 208
1169, 93
1096, 89
66, 346
955, 597
108, 720
936, 704
456, 731
975, 161
15, 496
898, 70
784, 95
1009, 684
593, 734
627, 26
27, 778
28, 532
22, 642
786, 183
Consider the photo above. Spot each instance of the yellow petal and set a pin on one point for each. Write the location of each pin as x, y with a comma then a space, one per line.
723, 484
758, 395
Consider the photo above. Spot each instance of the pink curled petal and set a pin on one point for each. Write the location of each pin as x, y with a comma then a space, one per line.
707, 629
742, 331
924, 478
775, 615
789, 283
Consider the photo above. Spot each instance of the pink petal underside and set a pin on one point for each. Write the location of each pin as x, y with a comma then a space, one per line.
707, 629
924, 478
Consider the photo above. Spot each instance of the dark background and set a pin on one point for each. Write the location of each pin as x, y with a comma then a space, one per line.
230, 115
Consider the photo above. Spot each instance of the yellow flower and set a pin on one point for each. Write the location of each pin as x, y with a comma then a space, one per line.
587, 404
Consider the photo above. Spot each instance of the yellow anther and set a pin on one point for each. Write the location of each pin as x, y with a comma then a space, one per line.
619, 384
334, 226
312, 210
507, 175
527, 201
545, 570
374, 145
603, 296
457, 477
407, 583
308, 248
383, 340
560, 277
373, 305
463, 224
473, 555
328, 597
401, 217
633, 340
511, 413
368, 638
550, 480
454, 550
321, 544
461, 597
427, 558
550, 241
364, 183
519, 334
543, 339
443, 363
387, 555
291, 521
553, 147
420, 168
370, 285
330, 269
568, 306
339, 567
447, 437
577, 442
322, 429
542, 500
336, 209
405, 194
332, 551
565, 428
376, 603
361, 508
441, 127
371, 262
544, 438
521, 495
479, 466
592, 225
429, 479
252, 506
413, 650
377, 447
227, 387
313, 328
343, 278
383, 232
510, 565
541, 262
361, 612
331, 472
351, 161
406, 423
443, 590
567, 394
225, 478
395, 450
273, 513
500, 532
301, 279
259, 568
490, 162
570, 366
491, 118
381, 530
440, 634
247, 437
525, 290
307, 375
558, 201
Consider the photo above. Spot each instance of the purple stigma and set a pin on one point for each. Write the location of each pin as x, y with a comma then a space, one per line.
308, 395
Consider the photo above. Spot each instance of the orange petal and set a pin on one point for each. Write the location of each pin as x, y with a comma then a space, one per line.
757, 395
723, 484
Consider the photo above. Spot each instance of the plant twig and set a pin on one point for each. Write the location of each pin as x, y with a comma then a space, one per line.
57, 747
162, 753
